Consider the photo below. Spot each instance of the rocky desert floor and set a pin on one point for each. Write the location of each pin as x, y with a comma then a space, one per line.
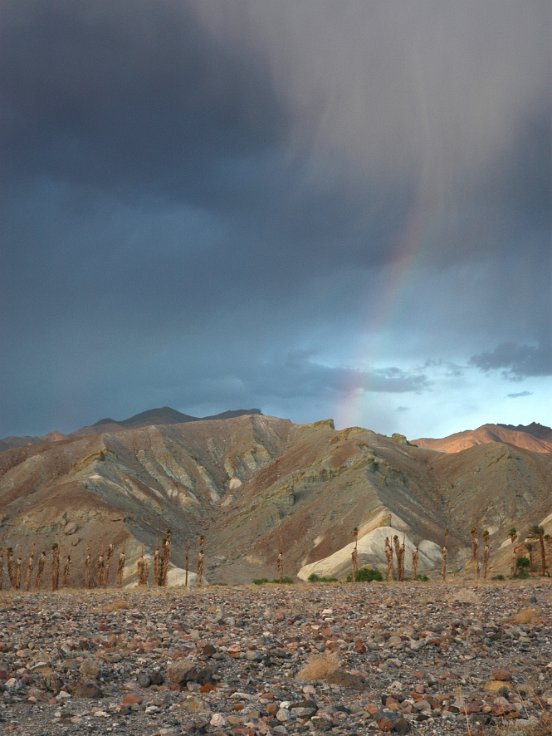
419, 658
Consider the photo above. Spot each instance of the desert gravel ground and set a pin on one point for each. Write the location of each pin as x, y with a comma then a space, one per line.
423, 658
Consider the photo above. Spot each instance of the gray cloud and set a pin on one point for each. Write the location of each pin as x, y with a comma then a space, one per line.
214, 185
517, 361
519, 394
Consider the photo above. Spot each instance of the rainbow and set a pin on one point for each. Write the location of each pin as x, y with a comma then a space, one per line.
408, 249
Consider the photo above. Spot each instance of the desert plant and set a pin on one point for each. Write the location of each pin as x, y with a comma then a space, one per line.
30, 565
389, 558
142, 566
120, 569
1, 568
280, 565
157, 566
55, 566
513, 536
354, 555
415, 555
319, 667
475, 551
66, 572
200, 560
538, 533
523, 565
366, 575
87, 570
40, 569
10, 562
530, 547
186, 563
444, 557
314, 578
107, 568
486, 552
397, 547
100, 569
260, 581
165, 557
18, 564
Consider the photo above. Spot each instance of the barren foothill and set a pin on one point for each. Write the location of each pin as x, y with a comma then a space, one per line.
420, 658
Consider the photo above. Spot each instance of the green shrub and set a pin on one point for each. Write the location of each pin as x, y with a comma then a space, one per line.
422, 578
314, 578
365, 575
498, 577
522, 563
285, 581
522, 574
260, 581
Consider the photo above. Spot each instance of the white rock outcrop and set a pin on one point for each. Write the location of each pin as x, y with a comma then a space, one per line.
371, 553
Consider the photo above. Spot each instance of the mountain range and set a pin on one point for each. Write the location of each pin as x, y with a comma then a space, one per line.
254, 485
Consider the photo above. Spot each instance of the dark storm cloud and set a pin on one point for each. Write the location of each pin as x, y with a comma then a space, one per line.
517, 361
190, 191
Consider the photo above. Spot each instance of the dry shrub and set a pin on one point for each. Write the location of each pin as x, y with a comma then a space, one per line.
463, 595
527, 616
319, 667
119, 604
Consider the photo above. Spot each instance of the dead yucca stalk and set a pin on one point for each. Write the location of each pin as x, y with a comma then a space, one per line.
30, 565
55, 567
398, 554
486, 552
444, 558
40, 569
1, 568
66, 572
537, 532
280, 566
10, 561
513, 536
142, 568
530, 547
120, 569
200, 560
401, 560
186, 563
415, 555
165, 558
389, 558
18, 566
107, 568
354, 556
87, 570
157, 566
100, 569
475, 551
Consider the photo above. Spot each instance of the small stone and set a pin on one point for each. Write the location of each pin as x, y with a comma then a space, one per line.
217, 719
502, 674
132, 699
87, 690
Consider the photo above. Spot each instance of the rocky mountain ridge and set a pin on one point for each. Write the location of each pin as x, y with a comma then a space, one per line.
254, 484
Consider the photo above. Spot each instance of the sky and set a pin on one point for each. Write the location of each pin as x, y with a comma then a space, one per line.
317, 208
